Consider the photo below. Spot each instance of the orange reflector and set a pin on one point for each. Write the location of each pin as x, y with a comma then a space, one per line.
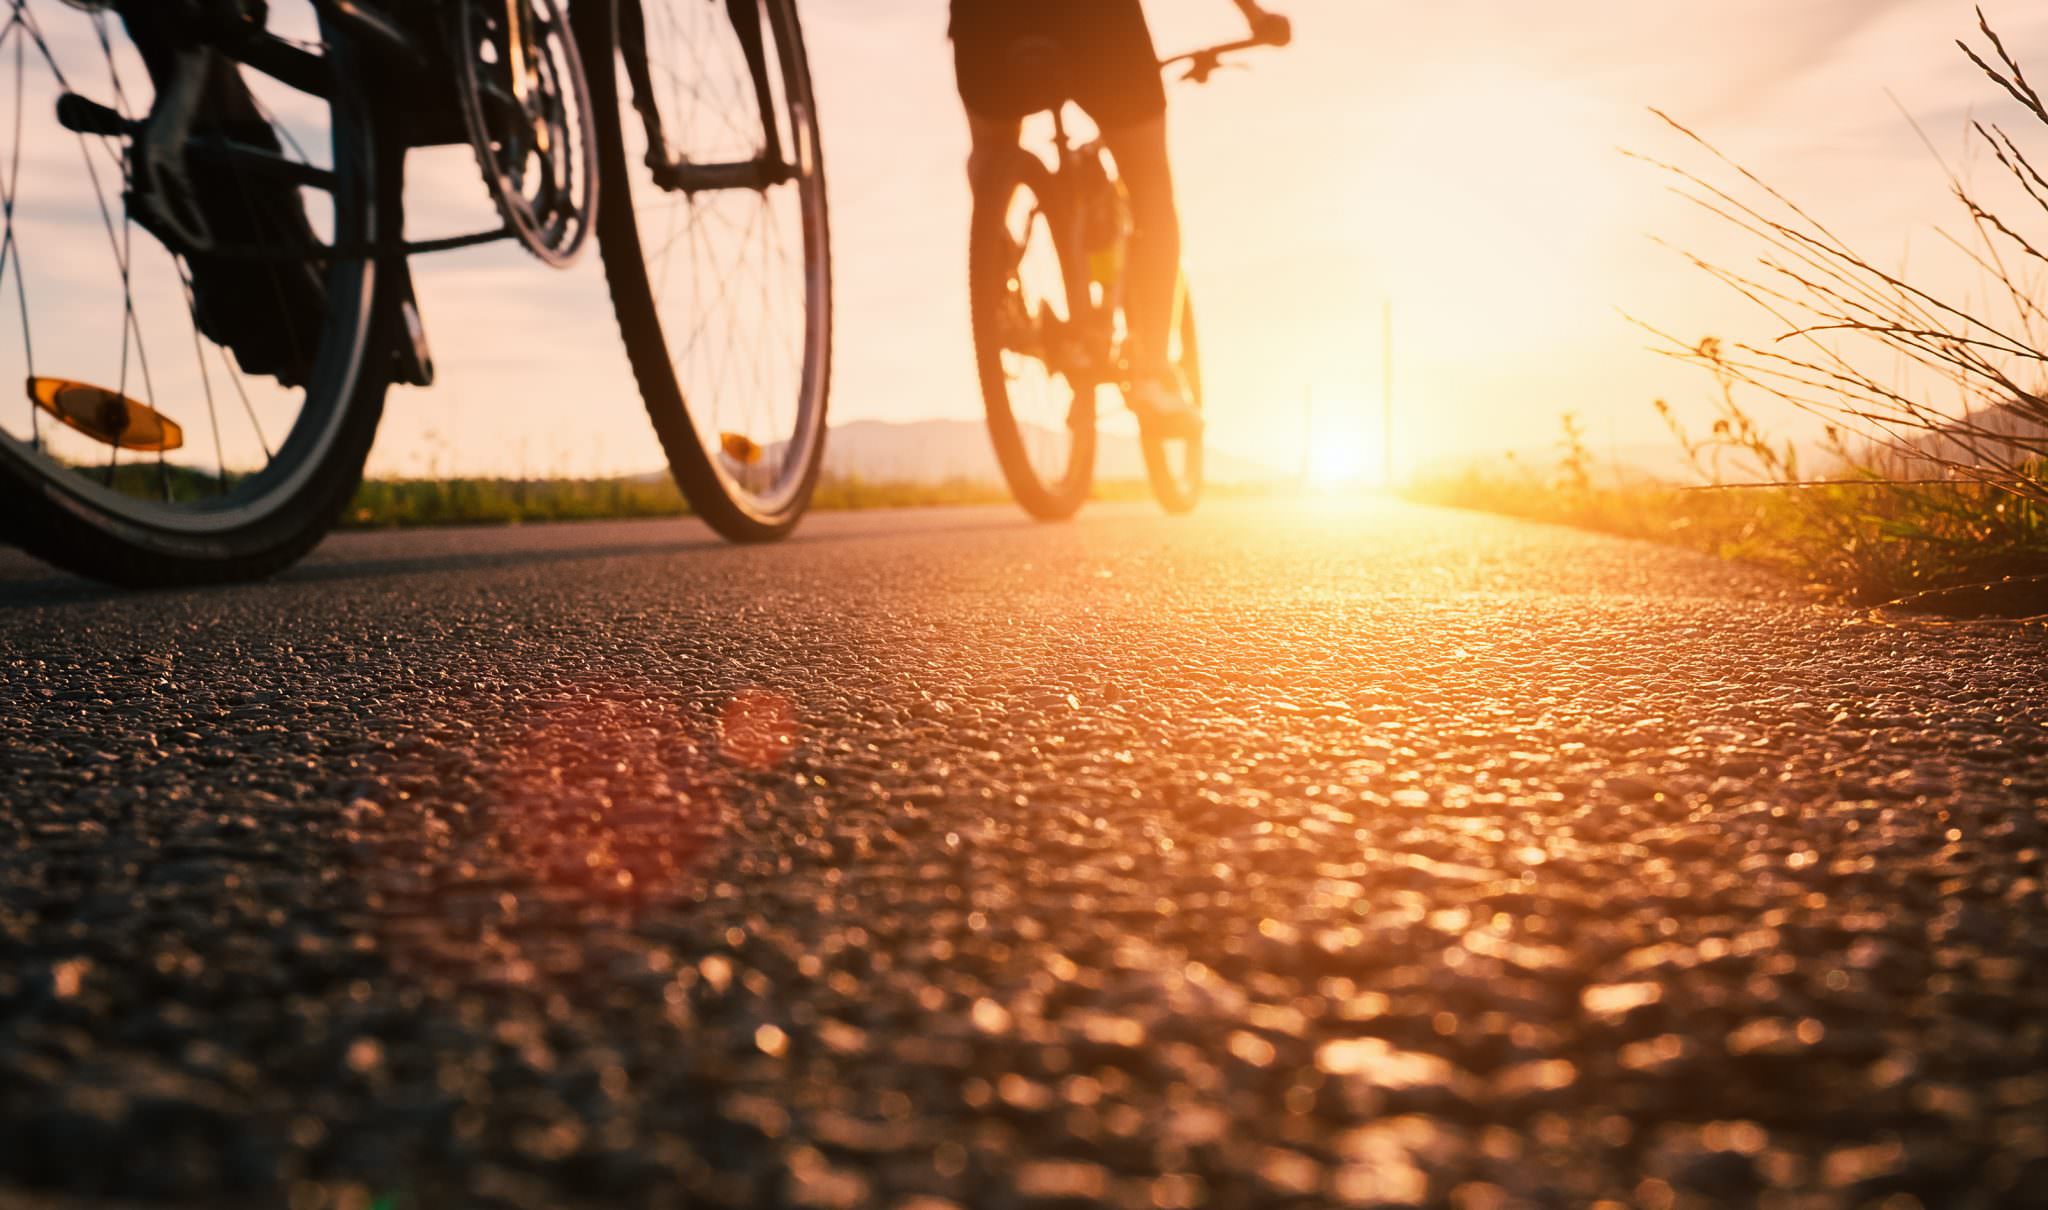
105, 416
741, 449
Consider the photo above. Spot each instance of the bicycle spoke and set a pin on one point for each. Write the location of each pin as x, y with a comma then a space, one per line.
8, 245
242, 392
262, 162
714, 311
220, 454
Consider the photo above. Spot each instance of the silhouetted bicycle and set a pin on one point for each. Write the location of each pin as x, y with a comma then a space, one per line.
205, 258
1046, 260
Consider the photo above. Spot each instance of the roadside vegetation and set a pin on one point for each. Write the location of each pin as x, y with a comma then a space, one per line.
388, 503
1930, 486
391, 503
1866, 533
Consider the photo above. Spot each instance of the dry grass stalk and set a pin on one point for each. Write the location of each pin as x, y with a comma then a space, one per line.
1962, 398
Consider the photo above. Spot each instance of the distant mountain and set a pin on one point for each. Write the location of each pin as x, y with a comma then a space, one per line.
921, 451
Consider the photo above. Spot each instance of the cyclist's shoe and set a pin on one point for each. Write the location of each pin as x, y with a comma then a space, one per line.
1163, 409
268, 310
256, 278
1017, 330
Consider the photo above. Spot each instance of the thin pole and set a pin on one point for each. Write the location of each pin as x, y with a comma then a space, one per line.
1387, 392
1308, 429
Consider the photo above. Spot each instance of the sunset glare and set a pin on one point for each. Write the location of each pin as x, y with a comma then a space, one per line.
1344, 450
842, 604
1464, 160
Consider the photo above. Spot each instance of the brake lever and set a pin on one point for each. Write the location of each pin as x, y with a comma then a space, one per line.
1201, 69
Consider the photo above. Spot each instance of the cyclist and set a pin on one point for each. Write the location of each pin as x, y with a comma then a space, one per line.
1105, 61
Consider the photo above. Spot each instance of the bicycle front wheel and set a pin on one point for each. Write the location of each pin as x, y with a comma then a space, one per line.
196, 409
713, 227
1039, 378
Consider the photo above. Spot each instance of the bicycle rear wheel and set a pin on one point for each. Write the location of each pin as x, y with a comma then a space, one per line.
1174, 464
153, 445
713, 227
1022, 280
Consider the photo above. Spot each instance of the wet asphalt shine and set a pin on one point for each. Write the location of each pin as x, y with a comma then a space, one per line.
1295, 854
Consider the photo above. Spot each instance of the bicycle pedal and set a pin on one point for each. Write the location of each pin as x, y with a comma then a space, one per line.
413, 360
83, 115
107, 417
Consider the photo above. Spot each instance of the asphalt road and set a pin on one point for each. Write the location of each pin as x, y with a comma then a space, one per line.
1294, 854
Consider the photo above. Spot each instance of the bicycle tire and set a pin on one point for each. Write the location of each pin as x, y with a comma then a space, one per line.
271, 518
991, 258
1179, 490
691, 429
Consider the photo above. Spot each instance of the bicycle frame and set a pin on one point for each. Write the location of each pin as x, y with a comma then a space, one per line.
1205, 62
411, 52
1090, 320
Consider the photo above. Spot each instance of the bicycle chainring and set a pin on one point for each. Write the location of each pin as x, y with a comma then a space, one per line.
527, 108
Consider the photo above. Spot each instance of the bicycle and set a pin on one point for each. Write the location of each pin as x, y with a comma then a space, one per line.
1045, 282
213, 292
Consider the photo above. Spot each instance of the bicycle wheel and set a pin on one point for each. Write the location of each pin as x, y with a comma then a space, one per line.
1040, 402
713, 228
1174, 465
158, 441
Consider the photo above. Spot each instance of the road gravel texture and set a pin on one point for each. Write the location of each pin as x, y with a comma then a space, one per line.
1298, 854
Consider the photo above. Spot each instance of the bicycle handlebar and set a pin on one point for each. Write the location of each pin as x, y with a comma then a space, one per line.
1205, 62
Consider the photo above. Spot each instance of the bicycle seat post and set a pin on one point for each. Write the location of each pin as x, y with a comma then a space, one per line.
1039, 59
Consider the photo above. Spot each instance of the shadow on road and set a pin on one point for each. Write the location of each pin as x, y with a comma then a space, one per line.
358, 555
61, 589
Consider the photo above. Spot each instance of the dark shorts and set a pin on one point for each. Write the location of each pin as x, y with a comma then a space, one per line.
1101, 57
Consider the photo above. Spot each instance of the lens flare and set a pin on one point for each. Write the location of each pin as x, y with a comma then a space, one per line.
757, 729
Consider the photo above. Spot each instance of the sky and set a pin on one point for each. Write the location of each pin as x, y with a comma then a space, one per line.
1461, 160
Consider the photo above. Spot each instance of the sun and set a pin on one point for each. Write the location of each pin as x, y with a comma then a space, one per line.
1343, 449
1337, 464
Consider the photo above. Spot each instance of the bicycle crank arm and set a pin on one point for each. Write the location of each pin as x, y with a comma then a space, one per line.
261, 162
412, 359
83, 115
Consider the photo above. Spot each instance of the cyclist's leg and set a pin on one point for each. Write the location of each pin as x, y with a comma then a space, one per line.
1154, 272
994, 141
1117, 82
265, 310
159, 31
984, 36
